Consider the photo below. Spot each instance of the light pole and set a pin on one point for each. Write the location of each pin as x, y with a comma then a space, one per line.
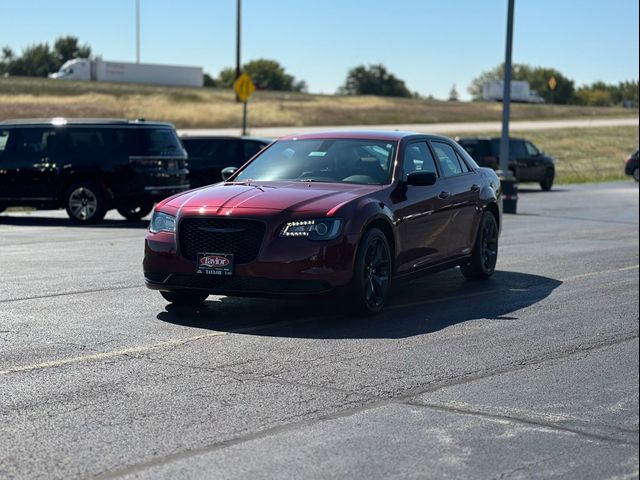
137, 31
238, 31
508, 181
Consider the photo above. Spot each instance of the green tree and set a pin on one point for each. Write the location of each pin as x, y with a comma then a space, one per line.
36, 61
66, 48
373, 80
209, 81
538, 78
266, 74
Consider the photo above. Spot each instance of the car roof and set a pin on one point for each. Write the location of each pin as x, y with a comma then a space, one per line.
61, 121
186, 136
385, 135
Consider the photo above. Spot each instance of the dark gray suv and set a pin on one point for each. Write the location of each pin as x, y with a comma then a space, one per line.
526, 161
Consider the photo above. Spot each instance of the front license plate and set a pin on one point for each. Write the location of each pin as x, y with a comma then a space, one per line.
215, 263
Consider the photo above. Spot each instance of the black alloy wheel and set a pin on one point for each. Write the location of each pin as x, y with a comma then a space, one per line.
85, 203
135, 212
372, 273
547, 181
483, 260
185, 298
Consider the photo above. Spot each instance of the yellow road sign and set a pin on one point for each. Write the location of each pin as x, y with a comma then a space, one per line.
553, 83
244, 87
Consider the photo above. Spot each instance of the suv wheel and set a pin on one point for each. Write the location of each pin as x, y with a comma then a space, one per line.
185, 298
136, 212
85, 203
372, 273
483, 260
547, 182
636, 174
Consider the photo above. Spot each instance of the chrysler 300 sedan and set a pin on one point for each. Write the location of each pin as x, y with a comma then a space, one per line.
348, 212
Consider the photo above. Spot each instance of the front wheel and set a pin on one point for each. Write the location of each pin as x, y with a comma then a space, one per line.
372, 273
185, 298
135, 212
85, 203
483, 260
547, 181
636, 175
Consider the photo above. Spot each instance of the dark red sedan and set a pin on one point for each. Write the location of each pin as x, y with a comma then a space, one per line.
328, 212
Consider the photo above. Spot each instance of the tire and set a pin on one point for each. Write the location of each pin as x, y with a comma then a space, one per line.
484, 257
547, 182
136, 212
635, 175
372, 271
185, 298
85, 203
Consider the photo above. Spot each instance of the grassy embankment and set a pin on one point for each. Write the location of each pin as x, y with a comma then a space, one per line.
592, 154
206, 107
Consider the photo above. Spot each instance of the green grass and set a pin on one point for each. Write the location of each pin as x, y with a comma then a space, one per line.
207, 107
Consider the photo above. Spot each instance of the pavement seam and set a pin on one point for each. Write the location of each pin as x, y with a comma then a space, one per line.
75, 292
522, 420
375, 402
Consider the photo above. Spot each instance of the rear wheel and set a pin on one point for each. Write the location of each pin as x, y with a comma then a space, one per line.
185, 298
85, 203
372, 273
547, 181
136, 212
636, 174
483, 260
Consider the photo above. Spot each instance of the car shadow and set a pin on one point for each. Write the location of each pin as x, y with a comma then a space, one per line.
423, 306
45, 221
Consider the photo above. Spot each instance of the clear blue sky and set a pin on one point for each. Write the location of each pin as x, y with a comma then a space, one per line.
431, 44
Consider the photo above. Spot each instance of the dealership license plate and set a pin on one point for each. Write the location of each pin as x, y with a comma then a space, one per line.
215, 263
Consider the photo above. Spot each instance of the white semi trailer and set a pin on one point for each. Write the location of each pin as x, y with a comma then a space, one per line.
125, 72
520, 92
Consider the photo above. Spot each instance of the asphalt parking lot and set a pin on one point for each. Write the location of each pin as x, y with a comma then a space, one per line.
531, 374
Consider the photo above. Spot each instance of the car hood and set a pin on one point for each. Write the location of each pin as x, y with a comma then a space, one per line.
271, 196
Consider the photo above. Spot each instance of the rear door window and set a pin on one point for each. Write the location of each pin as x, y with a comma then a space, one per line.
517, 149
476, 148
447, 158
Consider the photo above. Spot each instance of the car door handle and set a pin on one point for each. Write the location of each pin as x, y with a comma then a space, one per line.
475, 188
444, 195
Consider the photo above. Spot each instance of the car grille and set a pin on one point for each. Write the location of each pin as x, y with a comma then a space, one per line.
242, 238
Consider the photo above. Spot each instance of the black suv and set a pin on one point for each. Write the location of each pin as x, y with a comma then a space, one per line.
208, 155
526, 161
90, 166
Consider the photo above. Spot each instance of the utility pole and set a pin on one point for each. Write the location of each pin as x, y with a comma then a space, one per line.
238, 28
509, 183
137, 31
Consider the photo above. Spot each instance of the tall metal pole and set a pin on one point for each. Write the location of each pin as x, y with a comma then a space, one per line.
137, 31
506, 93
238, 27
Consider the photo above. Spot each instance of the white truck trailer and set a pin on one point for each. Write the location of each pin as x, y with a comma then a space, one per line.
520, 91
107, 71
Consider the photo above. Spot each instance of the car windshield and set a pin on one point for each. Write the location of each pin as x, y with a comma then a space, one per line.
367, 162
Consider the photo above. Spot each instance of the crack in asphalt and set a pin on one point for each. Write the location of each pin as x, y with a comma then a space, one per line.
73, 292
372, 402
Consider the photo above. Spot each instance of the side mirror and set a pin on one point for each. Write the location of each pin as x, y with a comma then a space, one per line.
227, 172
421, 178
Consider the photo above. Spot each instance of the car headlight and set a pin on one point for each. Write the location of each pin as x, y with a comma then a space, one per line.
162, 222
320, 229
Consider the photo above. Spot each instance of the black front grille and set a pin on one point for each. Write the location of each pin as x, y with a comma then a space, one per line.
242, 238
